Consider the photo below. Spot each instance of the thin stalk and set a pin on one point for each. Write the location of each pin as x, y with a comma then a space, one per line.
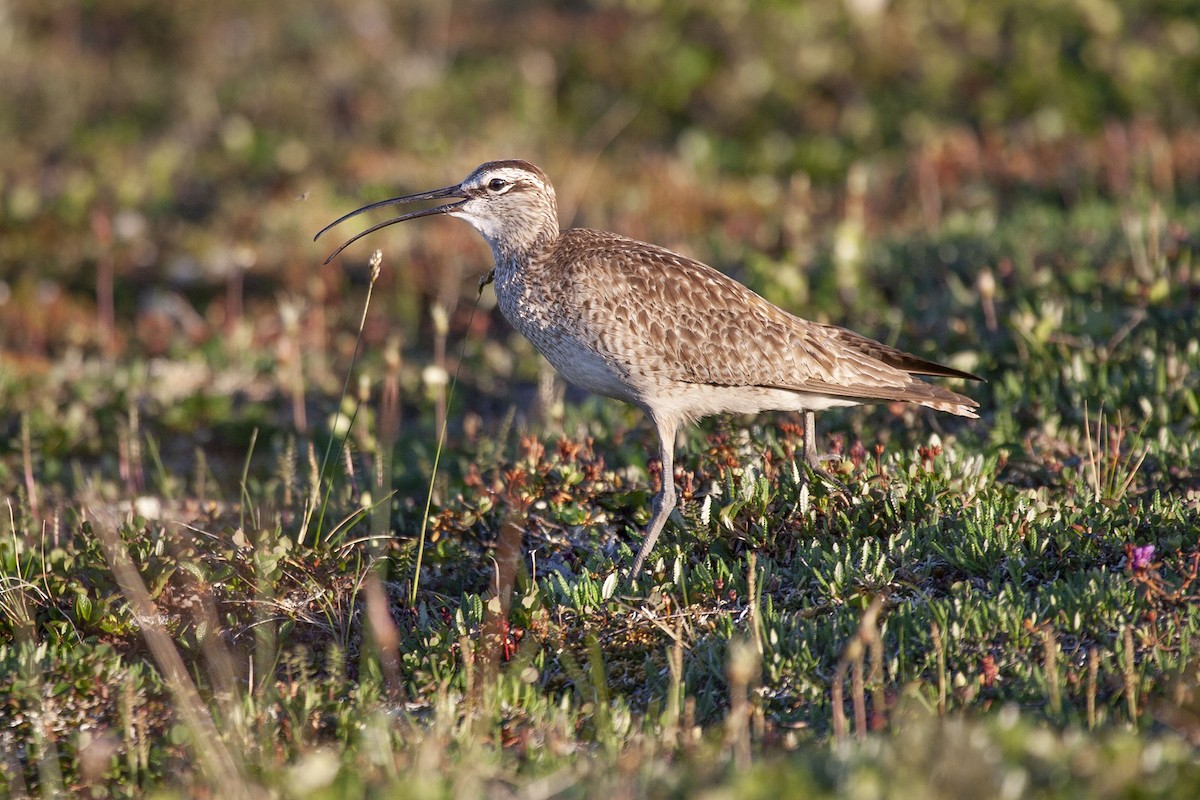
31, 492
1130, 676
376, 261
940, 648
1093, 669
246, 501
1050, 665
164, 481
437, 456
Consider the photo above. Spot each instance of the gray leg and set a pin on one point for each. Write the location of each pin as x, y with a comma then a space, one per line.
665, 502
810, 439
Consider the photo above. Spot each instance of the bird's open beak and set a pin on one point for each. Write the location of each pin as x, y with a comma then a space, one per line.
436, 194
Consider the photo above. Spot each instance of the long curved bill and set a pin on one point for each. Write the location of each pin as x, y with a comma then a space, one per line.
436, 194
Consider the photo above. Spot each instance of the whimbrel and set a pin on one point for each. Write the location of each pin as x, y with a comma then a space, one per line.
672, 336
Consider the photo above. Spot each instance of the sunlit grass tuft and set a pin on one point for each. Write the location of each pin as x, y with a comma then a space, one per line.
1110, 469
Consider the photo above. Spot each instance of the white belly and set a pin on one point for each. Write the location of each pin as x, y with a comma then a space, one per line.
694, 401
587, 369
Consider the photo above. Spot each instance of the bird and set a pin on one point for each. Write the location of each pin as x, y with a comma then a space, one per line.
672, 336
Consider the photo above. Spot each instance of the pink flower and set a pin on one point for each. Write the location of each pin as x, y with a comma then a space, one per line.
1142, 556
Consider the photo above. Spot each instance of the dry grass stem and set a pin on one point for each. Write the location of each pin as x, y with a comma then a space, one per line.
217, 762
1130, 675
853, 656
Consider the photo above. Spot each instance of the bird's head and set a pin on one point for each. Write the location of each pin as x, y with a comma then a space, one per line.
511, 204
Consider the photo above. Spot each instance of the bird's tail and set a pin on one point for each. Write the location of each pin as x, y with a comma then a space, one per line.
941, 399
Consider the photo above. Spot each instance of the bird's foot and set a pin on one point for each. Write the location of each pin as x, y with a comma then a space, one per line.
486, 279
642, 564
814, 464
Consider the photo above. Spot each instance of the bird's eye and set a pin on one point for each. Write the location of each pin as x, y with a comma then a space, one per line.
496, 184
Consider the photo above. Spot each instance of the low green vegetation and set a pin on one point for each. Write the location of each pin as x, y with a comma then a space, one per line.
218, 571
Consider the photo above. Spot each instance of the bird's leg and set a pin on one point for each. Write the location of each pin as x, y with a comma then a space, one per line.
810, 451
664, 503
810, 440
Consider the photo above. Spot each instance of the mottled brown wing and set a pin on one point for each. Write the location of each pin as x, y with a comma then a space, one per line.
687, 322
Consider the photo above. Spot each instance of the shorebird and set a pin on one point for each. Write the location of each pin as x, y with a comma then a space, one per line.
674, 337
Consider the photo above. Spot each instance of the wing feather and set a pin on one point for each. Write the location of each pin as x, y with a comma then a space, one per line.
690, 323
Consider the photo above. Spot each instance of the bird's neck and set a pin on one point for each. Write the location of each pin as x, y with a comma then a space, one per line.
522, 279
518, 255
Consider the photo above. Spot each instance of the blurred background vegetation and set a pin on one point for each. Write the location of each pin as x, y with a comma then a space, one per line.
163, 167
188, 142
